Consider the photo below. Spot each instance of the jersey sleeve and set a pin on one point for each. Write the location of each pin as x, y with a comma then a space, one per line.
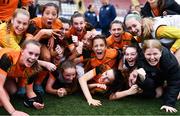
31, 29
5, 63
168, 32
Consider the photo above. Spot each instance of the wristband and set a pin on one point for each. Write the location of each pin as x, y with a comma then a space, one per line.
29, 102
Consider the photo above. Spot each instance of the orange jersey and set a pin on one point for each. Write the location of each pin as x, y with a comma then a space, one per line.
7, 8
109, 59
57, 24
124, 40
72, 31
10, 67
25, 2
108, 62
37, 24
155, 11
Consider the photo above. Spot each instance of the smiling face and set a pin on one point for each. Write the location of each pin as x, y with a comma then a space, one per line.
116, 30
152, 56
107, 77
131, 55
78, 24
49, 16
30, 55
20, 23
134, 26
99, 48
69, 74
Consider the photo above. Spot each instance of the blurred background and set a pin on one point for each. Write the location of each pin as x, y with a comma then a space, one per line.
67, 7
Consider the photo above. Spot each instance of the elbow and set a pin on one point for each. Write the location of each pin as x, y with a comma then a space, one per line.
82, 82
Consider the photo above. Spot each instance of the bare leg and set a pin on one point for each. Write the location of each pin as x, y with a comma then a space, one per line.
159, 91
10, 86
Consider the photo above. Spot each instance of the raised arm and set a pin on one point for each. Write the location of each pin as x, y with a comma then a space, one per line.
83, 83
48, 65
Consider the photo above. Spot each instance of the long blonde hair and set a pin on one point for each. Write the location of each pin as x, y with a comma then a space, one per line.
147, 25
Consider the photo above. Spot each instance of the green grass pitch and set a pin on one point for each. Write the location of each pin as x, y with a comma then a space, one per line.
76, 105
